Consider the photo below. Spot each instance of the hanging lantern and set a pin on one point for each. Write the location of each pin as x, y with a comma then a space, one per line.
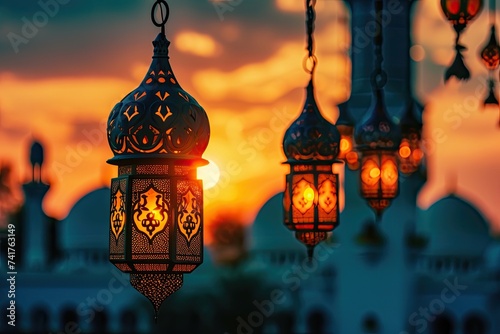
460, 13
410, 152
490, 55
158, 134
311, 145
310, 200
345, 125
378, 139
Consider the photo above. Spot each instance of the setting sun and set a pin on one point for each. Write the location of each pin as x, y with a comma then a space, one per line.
210, 174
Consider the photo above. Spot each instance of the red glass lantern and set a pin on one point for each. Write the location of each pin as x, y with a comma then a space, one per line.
410, 152
378, 139
310, 200
158, 134
460, 13
490, 56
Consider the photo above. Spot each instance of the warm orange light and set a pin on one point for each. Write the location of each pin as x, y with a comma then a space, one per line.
418, 154
352, 158
404, 152
345, 145
210, 174
309, 194
389, 173
374, 173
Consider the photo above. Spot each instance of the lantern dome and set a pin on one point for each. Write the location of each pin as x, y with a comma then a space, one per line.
455, 228
311, 137
376, 131
158, 119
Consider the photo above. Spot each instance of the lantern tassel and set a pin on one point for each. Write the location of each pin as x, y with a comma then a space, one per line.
310, 253
458, 68
491, 99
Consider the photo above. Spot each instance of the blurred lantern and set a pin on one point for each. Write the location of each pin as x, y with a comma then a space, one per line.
460, 13
490, 56
345, 125
378, 139
158, 134
311, 145
410, 152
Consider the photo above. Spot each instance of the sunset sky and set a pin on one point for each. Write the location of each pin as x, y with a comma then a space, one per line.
244, 66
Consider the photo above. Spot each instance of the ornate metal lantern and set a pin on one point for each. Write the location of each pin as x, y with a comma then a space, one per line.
310, 201
490, 55
158, 134
460, 13
377, 139
345, 125
410, 152
311, 145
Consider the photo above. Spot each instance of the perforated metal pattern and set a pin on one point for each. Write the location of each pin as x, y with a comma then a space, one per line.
124, 170
117, 246
184, 268
158, 246
123, 267
150, 267
152, 169
189, 248
156, 287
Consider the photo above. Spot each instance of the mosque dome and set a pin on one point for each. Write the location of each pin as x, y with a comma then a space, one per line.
268, 232
87, 224
455, 227
493, 256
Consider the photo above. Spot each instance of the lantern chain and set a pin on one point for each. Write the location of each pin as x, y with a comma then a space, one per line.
164, 14
310, 61
379, 76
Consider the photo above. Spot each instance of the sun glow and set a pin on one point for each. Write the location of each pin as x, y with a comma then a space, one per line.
210, 174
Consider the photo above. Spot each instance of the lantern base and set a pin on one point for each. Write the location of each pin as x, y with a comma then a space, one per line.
311, 239
156, 287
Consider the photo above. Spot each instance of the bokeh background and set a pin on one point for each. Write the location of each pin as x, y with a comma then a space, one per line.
243, 64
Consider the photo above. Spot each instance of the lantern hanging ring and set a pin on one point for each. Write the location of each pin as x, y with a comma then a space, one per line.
309, 64
164, 13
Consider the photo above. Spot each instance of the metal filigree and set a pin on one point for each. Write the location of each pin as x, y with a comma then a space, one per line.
117, 217
377, 131
189, 215
150, 213
158, 117
311, 137
156, 287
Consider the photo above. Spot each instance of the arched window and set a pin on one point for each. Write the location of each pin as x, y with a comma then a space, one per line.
443, 324
100, 323
371, 324
475, 324
69, 320
316, 322
128, 321
286, 323
39, 320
